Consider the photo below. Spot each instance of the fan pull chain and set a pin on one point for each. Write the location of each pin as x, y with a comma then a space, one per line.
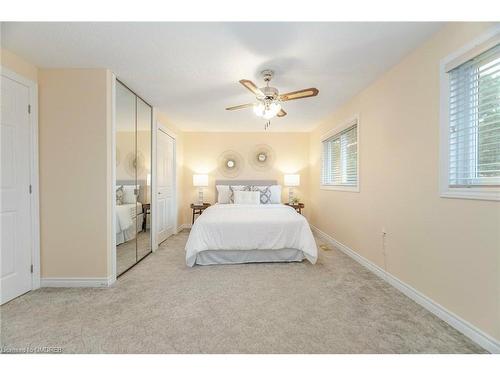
267, 124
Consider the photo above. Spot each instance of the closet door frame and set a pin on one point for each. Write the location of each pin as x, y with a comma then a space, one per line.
154, 201
112, 251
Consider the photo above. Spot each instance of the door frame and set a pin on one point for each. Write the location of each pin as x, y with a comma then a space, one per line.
163, 128
34, 160
112, 249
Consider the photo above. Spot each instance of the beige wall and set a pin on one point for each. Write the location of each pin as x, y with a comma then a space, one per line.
448, 249
201, 151
75, 183
18, 65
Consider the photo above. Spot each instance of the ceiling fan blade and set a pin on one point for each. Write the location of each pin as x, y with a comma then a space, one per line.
252, 87
281, 113
300, 94
241, 106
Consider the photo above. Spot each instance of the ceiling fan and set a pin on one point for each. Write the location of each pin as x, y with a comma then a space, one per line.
269, 99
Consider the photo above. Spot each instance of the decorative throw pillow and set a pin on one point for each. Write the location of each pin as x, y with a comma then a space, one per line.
265, 194
275, 193
232, 189
119, 196
223, 194
129, 196
246, 197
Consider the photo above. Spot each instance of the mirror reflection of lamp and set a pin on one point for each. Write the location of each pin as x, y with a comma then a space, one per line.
148, 187
291, 180
200, 181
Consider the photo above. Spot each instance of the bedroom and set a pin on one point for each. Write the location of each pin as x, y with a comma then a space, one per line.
346, 199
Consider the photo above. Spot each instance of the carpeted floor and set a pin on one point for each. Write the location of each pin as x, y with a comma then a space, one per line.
162, 306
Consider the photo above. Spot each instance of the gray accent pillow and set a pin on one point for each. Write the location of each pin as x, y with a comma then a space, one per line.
119, 196
265, 194
232, 189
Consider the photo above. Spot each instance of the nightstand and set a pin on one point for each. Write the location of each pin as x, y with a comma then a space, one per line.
146, 209
198, 209
297, 206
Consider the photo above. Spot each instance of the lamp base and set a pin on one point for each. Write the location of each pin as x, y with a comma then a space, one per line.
290, 195
200, 196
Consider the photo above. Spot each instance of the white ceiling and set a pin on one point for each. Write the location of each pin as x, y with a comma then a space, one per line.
191, 70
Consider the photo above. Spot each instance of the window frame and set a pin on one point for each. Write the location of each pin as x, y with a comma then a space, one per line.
332, 132
477, 46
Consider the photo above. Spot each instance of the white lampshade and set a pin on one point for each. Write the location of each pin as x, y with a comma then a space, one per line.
292, 180
200, 180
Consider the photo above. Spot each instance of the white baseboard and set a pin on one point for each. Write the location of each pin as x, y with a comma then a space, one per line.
183, 226
475, 334
76, 282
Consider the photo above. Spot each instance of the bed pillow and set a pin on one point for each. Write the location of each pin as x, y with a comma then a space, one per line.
223, 194
129, 194
119, 196
234, 188
265, 194
246, 197
275, 193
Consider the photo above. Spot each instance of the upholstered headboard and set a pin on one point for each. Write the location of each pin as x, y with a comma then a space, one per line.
243, 182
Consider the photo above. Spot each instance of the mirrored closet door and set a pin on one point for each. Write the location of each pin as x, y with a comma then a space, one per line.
133, 178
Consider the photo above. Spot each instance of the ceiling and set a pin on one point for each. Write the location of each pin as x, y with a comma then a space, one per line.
190, 71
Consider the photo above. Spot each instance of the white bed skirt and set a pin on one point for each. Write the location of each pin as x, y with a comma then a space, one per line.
210, 257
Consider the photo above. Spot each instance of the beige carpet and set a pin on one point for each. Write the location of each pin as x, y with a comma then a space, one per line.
162, 306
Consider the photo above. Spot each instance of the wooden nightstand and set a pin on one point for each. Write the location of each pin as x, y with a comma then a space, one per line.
198, 209
297, 206
146, 209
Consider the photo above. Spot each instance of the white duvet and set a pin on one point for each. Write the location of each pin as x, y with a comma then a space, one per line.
250, 227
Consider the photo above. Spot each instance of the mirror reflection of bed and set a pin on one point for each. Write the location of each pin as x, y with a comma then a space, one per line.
133, 218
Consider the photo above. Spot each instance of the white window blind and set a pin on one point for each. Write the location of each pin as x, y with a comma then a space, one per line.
340, 158
474, 121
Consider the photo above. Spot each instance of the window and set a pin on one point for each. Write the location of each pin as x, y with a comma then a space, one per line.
473, 126
340, 158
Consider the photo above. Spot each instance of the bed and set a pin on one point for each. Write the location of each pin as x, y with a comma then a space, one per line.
126, 214
249, 233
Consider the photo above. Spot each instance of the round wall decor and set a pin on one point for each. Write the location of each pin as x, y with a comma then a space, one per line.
136, 164
262, 157
230, 163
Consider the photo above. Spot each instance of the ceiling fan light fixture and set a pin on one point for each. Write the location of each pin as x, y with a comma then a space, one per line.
269, 98
274, 108
259, 109
268, 110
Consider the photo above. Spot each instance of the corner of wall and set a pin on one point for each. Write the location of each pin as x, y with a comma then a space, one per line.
18, 65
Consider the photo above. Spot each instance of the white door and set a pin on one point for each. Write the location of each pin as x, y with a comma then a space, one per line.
166, 186
15, 207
